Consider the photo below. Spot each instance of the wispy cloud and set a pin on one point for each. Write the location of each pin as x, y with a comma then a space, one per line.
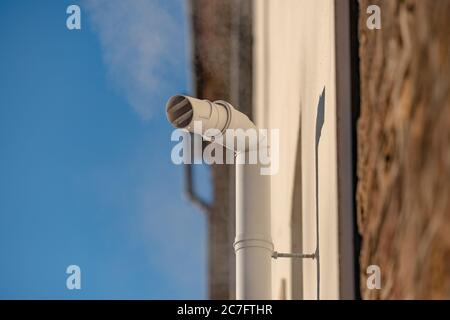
142, 42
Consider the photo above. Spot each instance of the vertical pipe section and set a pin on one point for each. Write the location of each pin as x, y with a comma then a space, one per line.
253, 244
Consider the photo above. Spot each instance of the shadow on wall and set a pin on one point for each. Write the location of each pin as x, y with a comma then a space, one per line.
296, 220
320, 120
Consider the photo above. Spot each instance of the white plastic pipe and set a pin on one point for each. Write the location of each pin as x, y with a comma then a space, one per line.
253, 243
183, 111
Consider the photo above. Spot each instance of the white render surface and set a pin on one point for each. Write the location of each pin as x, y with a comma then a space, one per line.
294, 71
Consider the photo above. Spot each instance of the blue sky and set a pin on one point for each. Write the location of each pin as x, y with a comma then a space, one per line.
85, 171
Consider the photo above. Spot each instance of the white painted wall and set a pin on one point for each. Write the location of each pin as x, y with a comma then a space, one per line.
294, 64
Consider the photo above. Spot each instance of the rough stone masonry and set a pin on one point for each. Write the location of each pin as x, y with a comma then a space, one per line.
403, 192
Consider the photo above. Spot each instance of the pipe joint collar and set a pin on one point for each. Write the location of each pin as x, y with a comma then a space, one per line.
263, 242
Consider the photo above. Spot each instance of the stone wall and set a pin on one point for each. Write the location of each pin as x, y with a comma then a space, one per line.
403, 192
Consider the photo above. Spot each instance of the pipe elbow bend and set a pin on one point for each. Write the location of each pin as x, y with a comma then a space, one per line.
216, 118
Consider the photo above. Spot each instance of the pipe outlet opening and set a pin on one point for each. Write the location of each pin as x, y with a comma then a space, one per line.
179, 111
